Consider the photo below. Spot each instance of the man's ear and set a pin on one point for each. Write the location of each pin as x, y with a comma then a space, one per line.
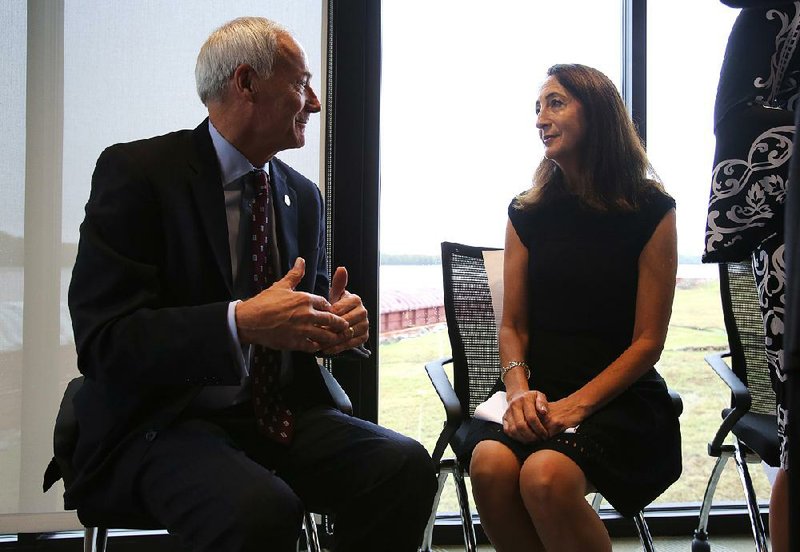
243, 80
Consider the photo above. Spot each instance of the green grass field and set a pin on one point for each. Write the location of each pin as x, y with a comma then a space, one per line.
409, 405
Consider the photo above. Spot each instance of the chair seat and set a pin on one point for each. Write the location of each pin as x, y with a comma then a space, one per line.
93, 518
458, 440
760, 433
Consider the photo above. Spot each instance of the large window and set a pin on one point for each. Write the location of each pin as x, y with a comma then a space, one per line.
91, 74
458, 141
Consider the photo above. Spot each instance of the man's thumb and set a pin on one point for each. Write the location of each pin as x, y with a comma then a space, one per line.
338, 283
293, 277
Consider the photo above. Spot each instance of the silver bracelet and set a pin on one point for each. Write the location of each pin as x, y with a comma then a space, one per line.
513, 364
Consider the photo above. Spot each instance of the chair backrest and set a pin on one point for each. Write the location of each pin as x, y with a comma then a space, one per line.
470, 323
745, 328
473, 305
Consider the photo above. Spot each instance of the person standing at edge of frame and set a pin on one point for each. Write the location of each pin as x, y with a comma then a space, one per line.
757, 95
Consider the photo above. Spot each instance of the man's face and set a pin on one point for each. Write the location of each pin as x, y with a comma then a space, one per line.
285, 100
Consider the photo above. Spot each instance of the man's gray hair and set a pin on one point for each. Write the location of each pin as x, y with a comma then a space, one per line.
250, 40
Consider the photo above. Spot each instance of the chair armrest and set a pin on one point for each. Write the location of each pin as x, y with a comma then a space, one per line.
340, 399
741, 400
452, 406
677, 402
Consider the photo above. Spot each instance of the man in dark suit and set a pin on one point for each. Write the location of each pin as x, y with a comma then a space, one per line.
169, 320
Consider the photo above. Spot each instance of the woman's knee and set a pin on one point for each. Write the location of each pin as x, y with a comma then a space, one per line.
494, 465
549, 480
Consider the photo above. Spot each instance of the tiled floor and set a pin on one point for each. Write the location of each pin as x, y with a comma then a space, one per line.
665, 544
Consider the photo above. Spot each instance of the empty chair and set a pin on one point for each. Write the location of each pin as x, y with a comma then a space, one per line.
751, 420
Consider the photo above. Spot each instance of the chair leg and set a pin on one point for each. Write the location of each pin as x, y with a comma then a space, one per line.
597, 500
700, 539
327, 524
310, 528
644, 533
445, 468
466, 514
94, 539
759, 535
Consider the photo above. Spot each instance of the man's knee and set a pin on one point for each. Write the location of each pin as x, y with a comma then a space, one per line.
417, 471
260, 515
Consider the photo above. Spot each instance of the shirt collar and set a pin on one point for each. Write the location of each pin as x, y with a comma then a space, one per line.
232, 163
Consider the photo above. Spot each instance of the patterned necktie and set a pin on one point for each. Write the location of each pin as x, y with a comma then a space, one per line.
274, 419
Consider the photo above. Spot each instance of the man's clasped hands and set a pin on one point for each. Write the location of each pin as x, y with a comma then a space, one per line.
281, 318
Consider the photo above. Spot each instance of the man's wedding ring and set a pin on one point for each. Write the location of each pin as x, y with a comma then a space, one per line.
352, 332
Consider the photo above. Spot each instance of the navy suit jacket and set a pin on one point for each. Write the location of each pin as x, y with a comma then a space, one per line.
150, 291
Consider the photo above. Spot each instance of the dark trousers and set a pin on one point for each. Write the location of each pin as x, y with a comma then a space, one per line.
220, 486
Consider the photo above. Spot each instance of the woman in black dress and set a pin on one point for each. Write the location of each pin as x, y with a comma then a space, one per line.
759, 87
589, 277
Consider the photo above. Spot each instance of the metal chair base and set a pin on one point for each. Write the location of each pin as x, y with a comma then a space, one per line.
95, 538
645, 538
700, 541
644, 533
450, 466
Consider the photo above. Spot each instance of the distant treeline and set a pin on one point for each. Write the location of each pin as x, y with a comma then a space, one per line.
388, 259
12, 253
411, 259
688, 259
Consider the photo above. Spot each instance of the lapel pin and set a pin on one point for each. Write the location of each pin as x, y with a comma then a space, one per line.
287, 201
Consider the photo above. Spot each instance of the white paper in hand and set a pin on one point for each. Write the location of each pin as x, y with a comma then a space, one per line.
493, 408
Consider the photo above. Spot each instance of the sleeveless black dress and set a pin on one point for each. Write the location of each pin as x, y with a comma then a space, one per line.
582, 281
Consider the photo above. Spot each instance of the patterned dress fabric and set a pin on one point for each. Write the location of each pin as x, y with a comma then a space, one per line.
754, 125
582, 282
273, 416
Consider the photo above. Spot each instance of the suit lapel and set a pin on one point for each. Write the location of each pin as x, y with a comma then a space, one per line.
285, 205
206, 185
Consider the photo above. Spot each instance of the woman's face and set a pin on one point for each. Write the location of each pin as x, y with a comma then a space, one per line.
561, 124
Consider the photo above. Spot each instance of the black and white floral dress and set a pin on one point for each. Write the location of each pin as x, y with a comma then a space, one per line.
754, 126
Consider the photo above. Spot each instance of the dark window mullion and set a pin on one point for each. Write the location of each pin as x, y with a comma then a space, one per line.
634, 61
353, 178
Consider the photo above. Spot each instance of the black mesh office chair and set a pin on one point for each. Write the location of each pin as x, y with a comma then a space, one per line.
751, 421
473, 342
97, 523
475, 358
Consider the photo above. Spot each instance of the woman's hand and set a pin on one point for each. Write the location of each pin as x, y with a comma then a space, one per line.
563, 414
524, 416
